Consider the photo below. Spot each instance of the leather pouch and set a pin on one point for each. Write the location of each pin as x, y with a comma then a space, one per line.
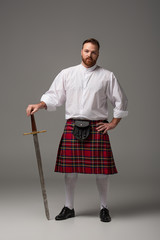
81, 129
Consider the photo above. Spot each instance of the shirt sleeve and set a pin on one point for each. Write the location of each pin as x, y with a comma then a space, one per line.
56, 94
117, 97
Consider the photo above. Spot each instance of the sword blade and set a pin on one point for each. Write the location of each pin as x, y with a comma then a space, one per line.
40, 169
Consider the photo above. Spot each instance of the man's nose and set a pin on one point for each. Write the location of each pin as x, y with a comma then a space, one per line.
89, 54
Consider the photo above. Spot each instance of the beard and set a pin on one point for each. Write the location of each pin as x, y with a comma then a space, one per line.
89, 62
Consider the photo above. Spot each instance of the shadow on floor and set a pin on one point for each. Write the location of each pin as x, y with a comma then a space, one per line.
89, 212
127, 210
136, 209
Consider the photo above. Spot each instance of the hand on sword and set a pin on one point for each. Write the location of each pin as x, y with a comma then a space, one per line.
32, 108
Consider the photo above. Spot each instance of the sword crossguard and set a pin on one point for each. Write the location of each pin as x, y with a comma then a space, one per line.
35, 132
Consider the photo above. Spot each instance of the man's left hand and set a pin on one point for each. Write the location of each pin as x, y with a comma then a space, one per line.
102, 126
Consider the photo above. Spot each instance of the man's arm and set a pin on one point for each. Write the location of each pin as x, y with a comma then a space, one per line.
32, 108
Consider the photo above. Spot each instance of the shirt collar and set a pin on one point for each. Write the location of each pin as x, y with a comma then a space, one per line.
88, 69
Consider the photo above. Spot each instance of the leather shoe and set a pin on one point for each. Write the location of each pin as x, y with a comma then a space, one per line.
104, 215
65, 213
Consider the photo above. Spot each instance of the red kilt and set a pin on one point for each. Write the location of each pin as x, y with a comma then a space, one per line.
93, 155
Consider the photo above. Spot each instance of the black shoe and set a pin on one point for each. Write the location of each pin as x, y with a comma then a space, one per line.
104, 215
65, 213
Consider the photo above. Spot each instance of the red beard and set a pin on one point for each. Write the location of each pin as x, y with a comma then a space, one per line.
89, 62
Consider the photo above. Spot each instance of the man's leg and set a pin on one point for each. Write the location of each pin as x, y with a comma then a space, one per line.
102, 185
70, 183
68, 210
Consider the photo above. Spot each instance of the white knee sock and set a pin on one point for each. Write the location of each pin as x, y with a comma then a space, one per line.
102, 185
70, 182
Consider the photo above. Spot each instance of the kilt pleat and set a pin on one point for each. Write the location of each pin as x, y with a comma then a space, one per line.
93, 156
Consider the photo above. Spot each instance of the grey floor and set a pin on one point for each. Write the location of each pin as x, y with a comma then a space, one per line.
134, 207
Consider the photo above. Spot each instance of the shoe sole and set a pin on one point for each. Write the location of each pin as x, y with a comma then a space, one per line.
109, 220
64, 218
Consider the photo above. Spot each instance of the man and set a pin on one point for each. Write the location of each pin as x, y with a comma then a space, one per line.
85, 146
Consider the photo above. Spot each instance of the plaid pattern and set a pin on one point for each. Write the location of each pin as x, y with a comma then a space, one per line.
93, 156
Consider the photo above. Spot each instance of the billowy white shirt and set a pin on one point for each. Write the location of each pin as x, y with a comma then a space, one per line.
85, 92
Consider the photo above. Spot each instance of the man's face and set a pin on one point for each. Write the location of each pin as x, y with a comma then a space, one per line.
89, 54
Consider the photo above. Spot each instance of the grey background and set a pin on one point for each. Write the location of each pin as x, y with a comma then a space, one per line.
39, 39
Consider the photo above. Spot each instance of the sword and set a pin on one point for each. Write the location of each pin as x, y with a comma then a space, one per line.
39, 162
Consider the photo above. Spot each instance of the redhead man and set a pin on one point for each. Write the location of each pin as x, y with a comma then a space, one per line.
85, 145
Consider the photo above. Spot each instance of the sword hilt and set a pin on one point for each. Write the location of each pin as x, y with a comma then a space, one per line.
33, 124
34, 127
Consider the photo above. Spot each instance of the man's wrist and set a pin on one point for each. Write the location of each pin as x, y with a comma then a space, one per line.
115, 121
42, 105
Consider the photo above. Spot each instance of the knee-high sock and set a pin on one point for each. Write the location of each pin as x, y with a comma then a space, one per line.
70, 182
102, 185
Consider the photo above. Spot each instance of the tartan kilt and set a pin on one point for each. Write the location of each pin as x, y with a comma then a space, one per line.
92, 156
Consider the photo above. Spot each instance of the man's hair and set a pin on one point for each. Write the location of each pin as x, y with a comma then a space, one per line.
93, 41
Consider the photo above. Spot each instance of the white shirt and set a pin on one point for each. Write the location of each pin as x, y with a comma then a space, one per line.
85, 92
